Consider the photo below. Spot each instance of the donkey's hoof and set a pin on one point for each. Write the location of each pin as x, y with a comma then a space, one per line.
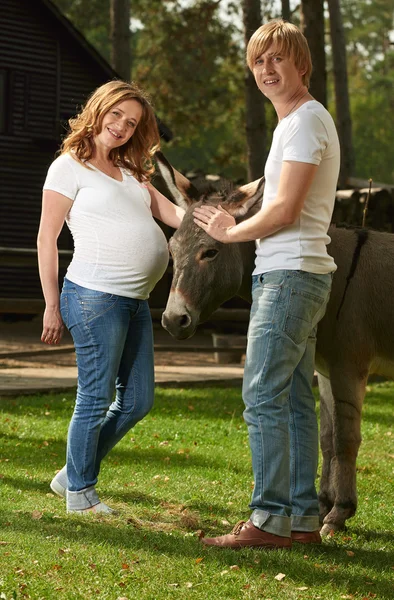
329, 529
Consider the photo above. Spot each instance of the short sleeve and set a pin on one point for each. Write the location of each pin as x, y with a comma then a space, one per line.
62, 178
305, 139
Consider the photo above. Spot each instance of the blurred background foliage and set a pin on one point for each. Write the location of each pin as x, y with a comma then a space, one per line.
189, 55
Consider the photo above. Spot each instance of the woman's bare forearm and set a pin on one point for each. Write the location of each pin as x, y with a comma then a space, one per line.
48, 266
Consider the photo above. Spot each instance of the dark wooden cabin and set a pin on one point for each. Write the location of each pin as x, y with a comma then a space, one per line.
47, 70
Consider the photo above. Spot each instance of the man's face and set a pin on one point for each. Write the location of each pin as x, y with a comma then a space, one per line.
276, 75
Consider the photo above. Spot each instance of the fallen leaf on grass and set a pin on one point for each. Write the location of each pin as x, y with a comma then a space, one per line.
92, 566
225, 522
280, 576
350, 552
36, 514
188, 584
246, 586
4, 543
198, 560
200, 533
331, 533
234, 568
224, 572
125, 566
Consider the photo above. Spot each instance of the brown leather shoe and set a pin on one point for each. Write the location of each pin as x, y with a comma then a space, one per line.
306, 537
246, 535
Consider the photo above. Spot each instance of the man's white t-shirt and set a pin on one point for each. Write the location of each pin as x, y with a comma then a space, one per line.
118, 246
307, 135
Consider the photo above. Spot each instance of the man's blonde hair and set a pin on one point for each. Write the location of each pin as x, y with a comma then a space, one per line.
288, 41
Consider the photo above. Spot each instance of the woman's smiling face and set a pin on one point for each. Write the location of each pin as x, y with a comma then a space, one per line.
119, 124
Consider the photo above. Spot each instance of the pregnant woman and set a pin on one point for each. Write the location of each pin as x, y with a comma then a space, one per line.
100, 186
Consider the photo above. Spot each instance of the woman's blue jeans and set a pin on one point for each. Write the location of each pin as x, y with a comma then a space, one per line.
113, 341
279, 404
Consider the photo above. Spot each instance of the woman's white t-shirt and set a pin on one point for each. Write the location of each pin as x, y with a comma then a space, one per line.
308, 135
118, 246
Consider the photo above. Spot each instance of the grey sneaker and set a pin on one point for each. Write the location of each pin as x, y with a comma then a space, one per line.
58, 488
97, 508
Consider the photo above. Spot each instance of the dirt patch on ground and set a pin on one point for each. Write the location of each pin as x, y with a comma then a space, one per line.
25, 337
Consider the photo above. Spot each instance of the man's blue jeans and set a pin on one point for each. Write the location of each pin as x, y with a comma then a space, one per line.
113, 341
277, 392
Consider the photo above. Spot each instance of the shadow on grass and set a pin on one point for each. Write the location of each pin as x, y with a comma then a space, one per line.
125, 496
334, 568
29, 452
385, 536
168, 403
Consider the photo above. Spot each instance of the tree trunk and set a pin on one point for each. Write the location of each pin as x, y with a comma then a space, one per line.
286, 15
256, 137
344, 122
120, 37
312, 26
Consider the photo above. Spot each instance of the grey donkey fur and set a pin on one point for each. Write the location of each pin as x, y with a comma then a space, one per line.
355, 338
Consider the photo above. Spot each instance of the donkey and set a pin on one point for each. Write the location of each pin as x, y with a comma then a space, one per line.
355, 338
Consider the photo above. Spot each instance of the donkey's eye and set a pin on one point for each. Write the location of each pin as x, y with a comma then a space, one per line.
209, 254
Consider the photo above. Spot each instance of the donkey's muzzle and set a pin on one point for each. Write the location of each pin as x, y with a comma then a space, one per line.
179, 325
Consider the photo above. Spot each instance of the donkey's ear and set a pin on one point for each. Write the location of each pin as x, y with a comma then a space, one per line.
247, 198
181, 189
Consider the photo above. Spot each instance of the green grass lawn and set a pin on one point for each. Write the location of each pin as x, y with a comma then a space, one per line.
184, 469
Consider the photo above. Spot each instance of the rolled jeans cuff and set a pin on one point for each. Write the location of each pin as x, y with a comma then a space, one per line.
82, 499
301, 523
276, 524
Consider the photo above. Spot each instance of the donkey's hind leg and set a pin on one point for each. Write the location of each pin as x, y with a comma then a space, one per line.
326, 493
348, 390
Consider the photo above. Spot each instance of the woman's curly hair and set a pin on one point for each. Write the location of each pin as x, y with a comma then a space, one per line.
136, 154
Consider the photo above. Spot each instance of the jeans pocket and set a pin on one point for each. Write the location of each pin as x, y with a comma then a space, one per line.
302, 312
94, 303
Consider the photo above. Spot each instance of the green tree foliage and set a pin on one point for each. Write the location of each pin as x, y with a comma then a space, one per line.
191, 63
368, 27
190, 59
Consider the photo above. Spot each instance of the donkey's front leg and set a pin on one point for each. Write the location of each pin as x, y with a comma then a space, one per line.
326, 493
348, 389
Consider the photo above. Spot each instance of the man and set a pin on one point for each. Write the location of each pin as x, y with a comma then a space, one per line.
291, 286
